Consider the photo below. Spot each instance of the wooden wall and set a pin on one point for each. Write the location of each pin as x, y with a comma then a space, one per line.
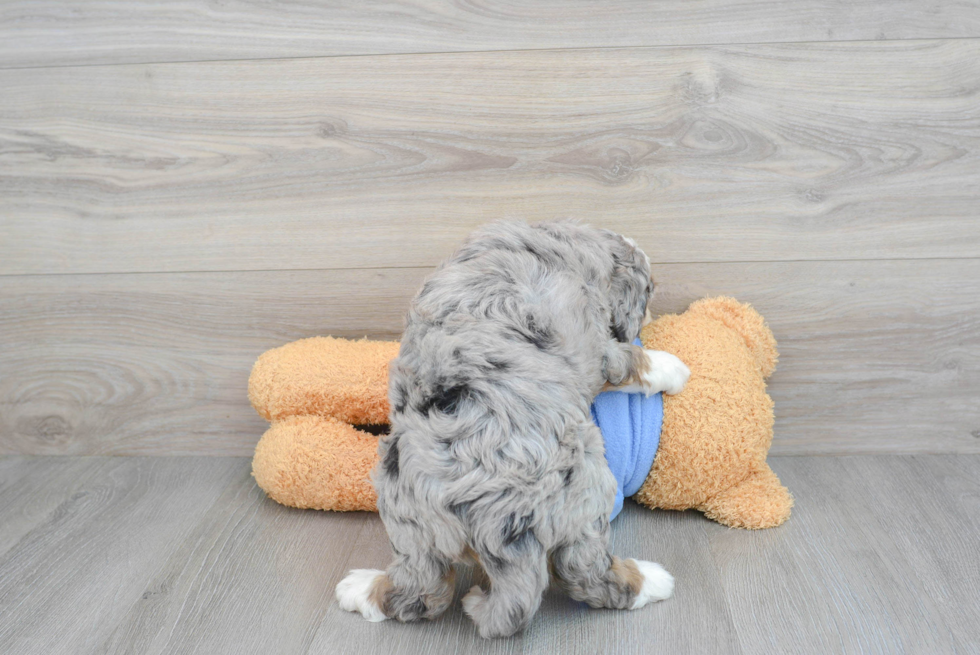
183, 188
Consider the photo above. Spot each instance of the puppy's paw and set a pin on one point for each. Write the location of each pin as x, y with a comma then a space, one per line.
354, 593
664, 372
473, 601
657, 583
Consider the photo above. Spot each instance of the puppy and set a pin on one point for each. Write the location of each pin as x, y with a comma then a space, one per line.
493, 453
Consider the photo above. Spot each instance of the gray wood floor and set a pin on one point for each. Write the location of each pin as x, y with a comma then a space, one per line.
186, 555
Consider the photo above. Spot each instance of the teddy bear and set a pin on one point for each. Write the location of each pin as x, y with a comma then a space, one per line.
704, 448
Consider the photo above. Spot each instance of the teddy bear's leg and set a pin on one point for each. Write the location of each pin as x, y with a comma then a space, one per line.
312, 462
326, 377
759, 501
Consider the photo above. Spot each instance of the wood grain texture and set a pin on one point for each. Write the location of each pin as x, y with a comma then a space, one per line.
944, 495
879, 356
875, 357
159, 364
69, 580
31, 489
844, 574
697, 622
859, 150
254, 577
72, 33
251, 573
878, 557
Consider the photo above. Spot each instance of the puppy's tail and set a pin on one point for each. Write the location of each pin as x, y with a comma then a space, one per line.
748, 323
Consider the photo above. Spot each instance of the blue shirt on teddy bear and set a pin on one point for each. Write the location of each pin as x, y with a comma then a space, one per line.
630, 425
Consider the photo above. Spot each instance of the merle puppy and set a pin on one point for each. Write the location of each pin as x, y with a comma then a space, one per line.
493, 454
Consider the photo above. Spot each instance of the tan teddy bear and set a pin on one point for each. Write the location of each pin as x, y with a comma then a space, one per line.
713, 439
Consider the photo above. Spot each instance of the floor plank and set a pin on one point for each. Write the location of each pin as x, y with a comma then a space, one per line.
71, 33
938, 497
877, 356
697, 622
66, 582
249, 567
832, 577
859, 150
31, 489
185, 555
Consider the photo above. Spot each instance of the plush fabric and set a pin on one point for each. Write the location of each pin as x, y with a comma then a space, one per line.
717, 432
313, 390
712, 449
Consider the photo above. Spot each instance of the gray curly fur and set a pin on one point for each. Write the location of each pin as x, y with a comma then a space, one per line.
492, 448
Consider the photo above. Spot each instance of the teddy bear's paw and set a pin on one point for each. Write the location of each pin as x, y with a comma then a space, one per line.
663, 372
657, 583
354, 594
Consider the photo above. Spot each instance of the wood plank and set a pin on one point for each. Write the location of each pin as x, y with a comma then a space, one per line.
244, 565
159, 364
834, 578
66, 583
880, 356
741, 153
875, 357
161, 555
928, 507
250, 567
695, 620
32, 488
73, 33
293, 560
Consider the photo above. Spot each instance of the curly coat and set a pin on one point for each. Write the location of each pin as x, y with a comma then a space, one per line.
492, 452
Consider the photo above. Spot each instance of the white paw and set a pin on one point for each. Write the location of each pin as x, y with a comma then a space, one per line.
354, 594
665, 373
473, 600
657, 583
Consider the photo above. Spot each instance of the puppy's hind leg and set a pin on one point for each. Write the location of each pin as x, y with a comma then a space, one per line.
417, 585
588, 572
409, 590
632, 369
518, 574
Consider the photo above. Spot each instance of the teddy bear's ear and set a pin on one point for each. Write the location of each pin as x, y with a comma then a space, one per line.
748, 323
